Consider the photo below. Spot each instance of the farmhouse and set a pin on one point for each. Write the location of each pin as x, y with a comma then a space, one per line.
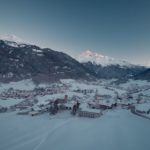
62, 100
88, 112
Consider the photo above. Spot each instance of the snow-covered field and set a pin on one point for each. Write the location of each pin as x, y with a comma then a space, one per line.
9, 102
116, 129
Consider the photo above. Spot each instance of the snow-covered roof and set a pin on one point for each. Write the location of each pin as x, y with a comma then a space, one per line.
70, 104
106, 103
84, 107
143, 107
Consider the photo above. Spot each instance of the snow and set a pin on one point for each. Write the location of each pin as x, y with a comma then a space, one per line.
84, 107
115, 130
43, 99
21, 85
9, 102
147, 92
143, 107
37, 50
67, 81
99, 59
134, 83
107, 102
13, 44
12, 38
22, 45
75, 85
40, 55
72, 86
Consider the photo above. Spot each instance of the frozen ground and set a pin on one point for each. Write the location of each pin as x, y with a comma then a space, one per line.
21, 85
116, 130
9, 102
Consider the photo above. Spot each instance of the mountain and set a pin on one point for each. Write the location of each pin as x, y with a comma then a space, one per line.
108, 67
11, 38
99, 59
21, 61
145, 75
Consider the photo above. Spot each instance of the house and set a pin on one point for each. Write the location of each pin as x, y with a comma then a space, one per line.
88, 112
34, 113
102, 104
58, 104
23, 112
62, 100
105, 106
68, 106
143, 108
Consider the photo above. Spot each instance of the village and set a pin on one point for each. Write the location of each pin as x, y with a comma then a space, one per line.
80, 99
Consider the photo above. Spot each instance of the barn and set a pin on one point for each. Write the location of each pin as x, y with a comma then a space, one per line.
85, 111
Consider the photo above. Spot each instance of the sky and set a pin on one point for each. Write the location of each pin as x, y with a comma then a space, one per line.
116, 28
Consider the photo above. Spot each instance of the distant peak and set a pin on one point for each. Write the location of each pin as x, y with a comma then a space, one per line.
100, 59
89, 53
12, 38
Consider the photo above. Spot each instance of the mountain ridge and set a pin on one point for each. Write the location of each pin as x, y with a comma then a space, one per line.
99, 59
42, 64
22, 61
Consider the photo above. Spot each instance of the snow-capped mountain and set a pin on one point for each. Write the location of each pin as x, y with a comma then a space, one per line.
99, 59
11, 38
23, 61
108, 67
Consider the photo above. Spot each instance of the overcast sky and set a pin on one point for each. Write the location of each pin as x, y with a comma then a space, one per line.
117, 28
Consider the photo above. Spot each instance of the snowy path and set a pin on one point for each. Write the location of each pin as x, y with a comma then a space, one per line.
50, 133
115, 130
